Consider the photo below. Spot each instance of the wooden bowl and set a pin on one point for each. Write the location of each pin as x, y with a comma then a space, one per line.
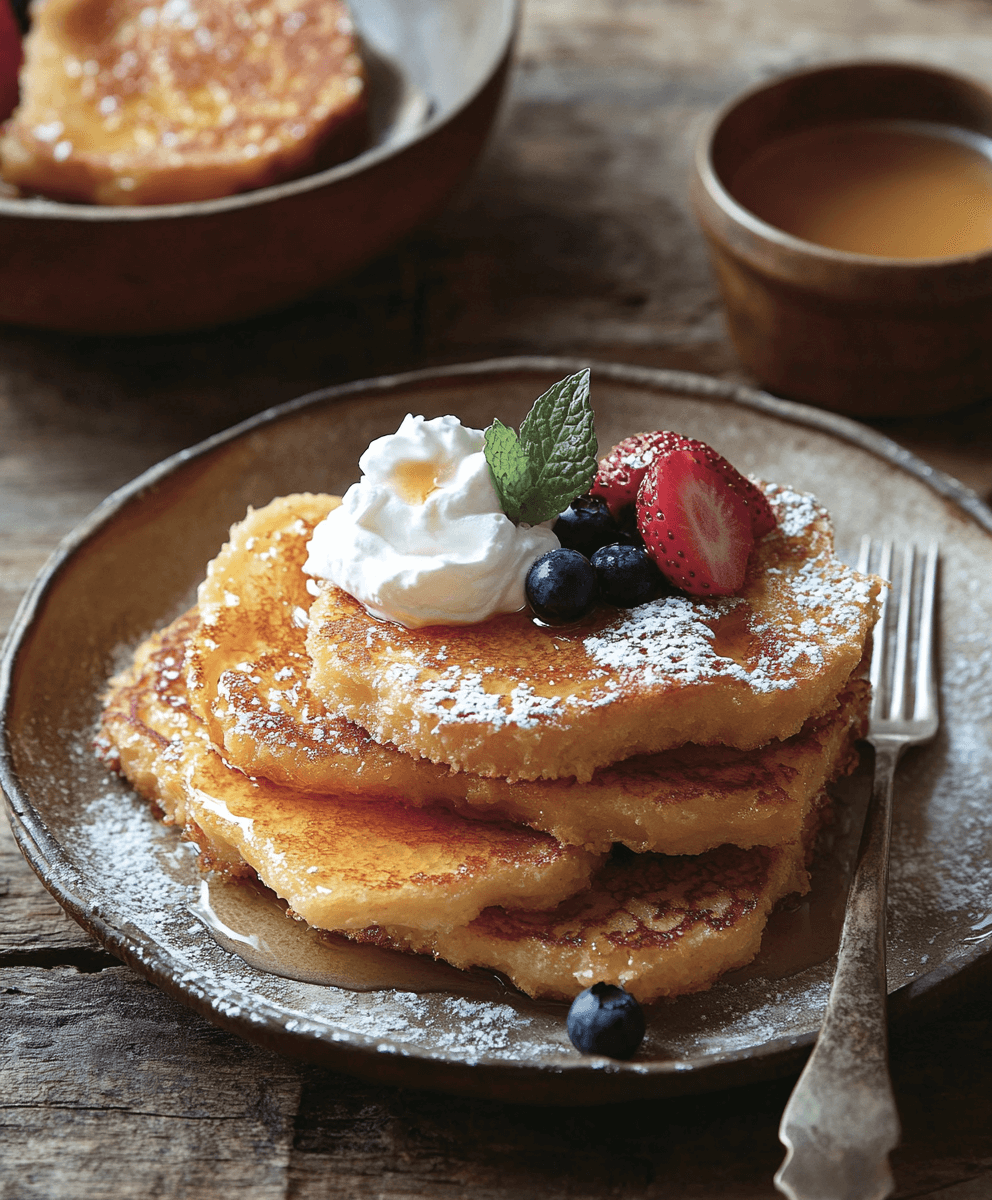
865, 335
135, 270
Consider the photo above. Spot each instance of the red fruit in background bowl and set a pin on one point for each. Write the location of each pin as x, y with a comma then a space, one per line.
10, 59
622, 470
696, 525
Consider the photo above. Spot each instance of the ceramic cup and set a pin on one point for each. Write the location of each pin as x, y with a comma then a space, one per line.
865, 335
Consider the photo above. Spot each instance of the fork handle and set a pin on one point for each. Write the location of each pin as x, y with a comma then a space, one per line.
841, 1122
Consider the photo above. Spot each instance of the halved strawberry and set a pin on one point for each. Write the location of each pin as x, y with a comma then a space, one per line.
696, 525
621, 471
762, 518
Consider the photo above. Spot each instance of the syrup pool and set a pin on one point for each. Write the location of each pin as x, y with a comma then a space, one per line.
249, 921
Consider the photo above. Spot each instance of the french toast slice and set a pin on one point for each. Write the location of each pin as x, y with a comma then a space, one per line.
416, 879
339, 864
126, 102
247, 667
693, 798
655, 924
518, 699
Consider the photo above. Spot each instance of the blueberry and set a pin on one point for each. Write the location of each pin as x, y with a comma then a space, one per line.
630, 537
627, 575
604, 1019
586, 525
626, 520
561, 586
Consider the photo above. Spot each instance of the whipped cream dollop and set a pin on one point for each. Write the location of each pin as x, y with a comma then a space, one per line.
421, 539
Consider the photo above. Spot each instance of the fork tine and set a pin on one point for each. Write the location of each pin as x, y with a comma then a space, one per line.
879, 650
925, 703
864, 555
897, 702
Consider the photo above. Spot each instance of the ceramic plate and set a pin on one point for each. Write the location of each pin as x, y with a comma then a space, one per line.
135, 564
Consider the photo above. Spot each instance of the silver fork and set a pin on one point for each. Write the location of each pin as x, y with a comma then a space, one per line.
841, 1122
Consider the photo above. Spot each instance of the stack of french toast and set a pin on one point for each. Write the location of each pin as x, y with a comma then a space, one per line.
623, 799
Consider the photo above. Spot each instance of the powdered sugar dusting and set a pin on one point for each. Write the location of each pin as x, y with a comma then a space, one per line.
794, 511
811, 605
671, 642
457, 696
263, 714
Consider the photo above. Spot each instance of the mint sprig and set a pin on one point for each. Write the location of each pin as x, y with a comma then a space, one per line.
539, 473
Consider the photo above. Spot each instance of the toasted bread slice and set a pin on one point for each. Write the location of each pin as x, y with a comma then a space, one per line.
341, 865
126, 102
247, 667
515, 698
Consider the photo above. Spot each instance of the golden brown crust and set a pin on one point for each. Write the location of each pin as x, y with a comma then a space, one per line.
248, 665
661, 925
512, 698
338, 864
123, 102
657, 925
553, 918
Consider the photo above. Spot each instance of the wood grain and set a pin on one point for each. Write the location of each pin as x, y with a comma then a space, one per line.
33, 928
143, 1098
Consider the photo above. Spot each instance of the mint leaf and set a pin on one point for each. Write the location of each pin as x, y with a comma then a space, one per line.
554, 459
560, 441
509, 467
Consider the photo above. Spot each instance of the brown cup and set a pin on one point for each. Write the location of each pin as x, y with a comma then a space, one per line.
865, 335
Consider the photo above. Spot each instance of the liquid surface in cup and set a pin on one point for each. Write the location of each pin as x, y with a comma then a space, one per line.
899, 189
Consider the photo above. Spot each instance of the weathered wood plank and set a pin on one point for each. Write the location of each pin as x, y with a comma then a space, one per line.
142, 1098
109, 1089
33, 928
352, 1139
417, 1144
193, 1109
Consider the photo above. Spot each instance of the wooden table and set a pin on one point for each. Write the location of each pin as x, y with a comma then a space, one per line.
574, 236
